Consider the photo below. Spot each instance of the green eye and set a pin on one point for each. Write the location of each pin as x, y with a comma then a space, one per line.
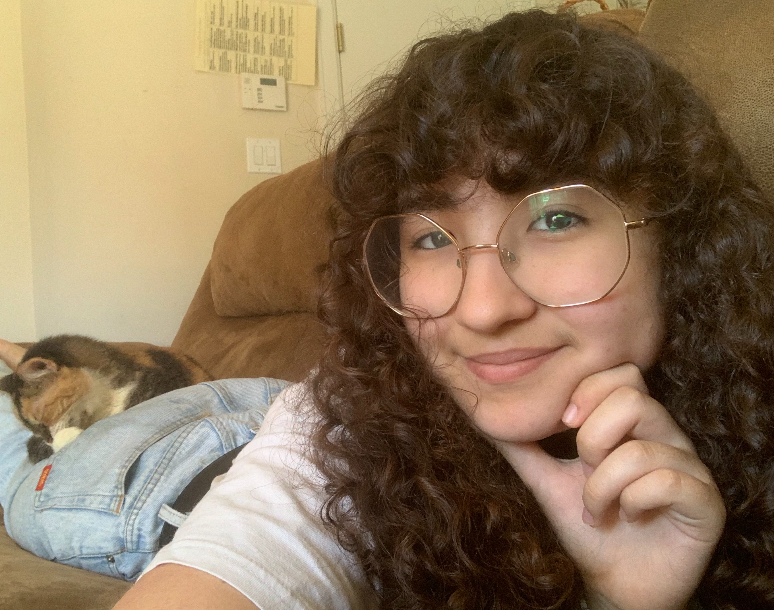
432, 241
554, 222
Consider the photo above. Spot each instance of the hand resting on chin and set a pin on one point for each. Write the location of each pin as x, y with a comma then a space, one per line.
638, 511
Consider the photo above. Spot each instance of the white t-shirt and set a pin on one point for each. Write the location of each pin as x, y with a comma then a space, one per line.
259, 527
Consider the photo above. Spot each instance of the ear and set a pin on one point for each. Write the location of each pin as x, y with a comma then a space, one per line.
36, 368
11, 354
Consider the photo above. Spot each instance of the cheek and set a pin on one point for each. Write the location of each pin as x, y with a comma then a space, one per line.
629, 323
619, 329
432, 290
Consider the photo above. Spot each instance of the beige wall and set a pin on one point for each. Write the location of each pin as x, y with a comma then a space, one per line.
118, 161
16, 298
133, 160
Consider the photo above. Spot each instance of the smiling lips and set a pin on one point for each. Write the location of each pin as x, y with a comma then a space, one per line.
502, 367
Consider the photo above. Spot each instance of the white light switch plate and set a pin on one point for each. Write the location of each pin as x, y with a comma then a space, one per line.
263, 156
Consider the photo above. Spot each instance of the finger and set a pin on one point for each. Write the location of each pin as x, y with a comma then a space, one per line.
548, 478
631, 462
594, 389
695, 506
528, 460
627, 414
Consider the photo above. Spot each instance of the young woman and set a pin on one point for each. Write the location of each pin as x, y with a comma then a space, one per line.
544, 233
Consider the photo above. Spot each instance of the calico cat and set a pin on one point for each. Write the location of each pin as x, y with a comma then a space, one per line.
63, 384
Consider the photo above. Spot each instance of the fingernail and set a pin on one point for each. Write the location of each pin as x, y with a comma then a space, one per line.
587, 518
569, 415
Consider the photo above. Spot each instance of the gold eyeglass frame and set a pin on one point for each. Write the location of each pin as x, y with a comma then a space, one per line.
463, 252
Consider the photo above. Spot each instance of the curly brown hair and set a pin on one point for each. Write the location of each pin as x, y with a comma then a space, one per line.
431, 510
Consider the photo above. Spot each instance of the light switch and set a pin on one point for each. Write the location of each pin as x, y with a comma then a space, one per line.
263, 156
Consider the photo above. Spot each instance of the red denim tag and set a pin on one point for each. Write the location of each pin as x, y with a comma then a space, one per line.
43, 477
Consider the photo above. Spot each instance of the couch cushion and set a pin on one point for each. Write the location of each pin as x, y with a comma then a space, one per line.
284, 346
272, 242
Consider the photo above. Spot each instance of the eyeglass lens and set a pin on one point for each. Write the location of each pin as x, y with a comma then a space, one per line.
564, 246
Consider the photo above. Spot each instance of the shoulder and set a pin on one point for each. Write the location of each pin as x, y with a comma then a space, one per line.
177, 587
260, 527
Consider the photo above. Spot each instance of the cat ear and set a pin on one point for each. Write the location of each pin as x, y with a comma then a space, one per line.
36, 368
11, 354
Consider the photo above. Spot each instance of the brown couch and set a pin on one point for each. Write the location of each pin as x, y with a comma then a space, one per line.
253, 314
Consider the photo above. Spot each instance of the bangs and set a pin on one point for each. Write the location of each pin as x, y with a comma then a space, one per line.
517, 107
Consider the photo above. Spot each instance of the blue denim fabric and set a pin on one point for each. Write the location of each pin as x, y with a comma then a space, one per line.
99, 506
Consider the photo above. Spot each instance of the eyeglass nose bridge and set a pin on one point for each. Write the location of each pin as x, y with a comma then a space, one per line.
479, 247
465, 252
502, 252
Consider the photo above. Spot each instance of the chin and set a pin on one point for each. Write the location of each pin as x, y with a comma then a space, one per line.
515, 429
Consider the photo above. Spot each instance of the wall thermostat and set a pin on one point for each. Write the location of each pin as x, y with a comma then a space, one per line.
264, 92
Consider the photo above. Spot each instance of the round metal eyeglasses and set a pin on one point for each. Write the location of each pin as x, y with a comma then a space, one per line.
562, 247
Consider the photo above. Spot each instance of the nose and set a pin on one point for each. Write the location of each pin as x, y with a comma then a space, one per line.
489, 298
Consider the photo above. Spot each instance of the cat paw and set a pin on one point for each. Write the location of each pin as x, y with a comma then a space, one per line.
38, 449
64, 437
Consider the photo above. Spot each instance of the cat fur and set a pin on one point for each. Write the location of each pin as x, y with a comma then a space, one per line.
63, 384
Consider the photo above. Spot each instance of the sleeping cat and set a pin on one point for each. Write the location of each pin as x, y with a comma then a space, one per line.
63, 384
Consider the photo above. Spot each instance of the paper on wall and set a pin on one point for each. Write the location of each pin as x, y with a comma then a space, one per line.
259, 37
